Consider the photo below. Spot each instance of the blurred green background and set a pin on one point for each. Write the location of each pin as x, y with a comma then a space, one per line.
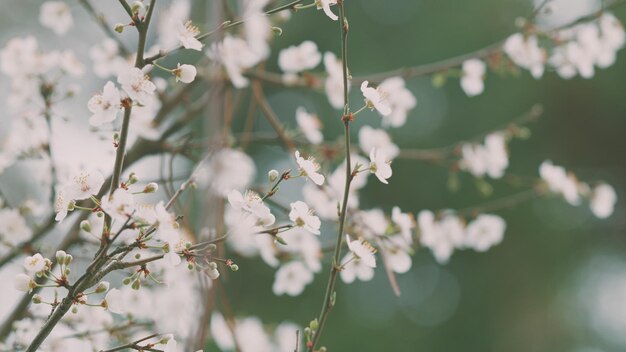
556, 282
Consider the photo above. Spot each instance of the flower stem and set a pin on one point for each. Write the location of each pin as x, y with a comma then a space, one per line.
328, 303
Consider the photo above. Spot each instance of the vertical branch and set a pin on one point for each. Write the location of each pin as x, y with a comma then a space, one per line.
88, 278
347, 117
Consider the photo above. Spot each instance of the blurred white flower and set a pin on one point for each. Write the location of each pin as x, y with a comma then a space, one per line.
120, 205
375, 99
405, 222
334, 82
370, 138
229, 169
116, 301
57, 16
291, 279
187, 35
472, 80
489, 159
603, 200
13, 227
299, 58
560, 181
169, 20
310, 125
308, 167
525, 52
485, 231
400, 99
236, 56
104, 106
106, 59
287, 337
303, 217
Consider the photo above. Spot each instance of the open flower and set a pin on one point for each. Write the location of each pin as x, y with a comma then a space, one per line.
34, 263
309, 168
325, 5
375, 99
137, 85
303, 217
185, 73
379, 165
187, 36
105, 105
362, 250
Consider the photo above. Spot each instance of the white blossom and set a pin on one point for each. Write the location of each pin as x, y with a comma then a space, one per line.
333, 85
185, 73
57, 16
13, 227
489, 159
526, 53
106, 59
187, 33
472, 80
310, 125
560, 181
603, 200
375, 98
23, 282
370, 138
230, 169
485, 231
380, 165
362, 250
291, 279
399, 98
236, 56
303, 217
105, 105
405, 222
355, 269
299, 58
325, 6
83, 184
308, 167
34, 263
136, 84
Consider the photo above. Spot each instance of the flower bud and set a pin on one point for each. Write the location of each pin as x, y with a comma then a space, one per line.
132, 178
273, 175
68, 259
137, 5
188, 245
71, 205
322, 349
213, 274
74, 310
234, 267
314, 325
67, 271
136, 285
126, 281
190, 266
102, 287
85, 225
151, 187
138, 256
119, 28
60, 255
36, 299
212, 265
280, 240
